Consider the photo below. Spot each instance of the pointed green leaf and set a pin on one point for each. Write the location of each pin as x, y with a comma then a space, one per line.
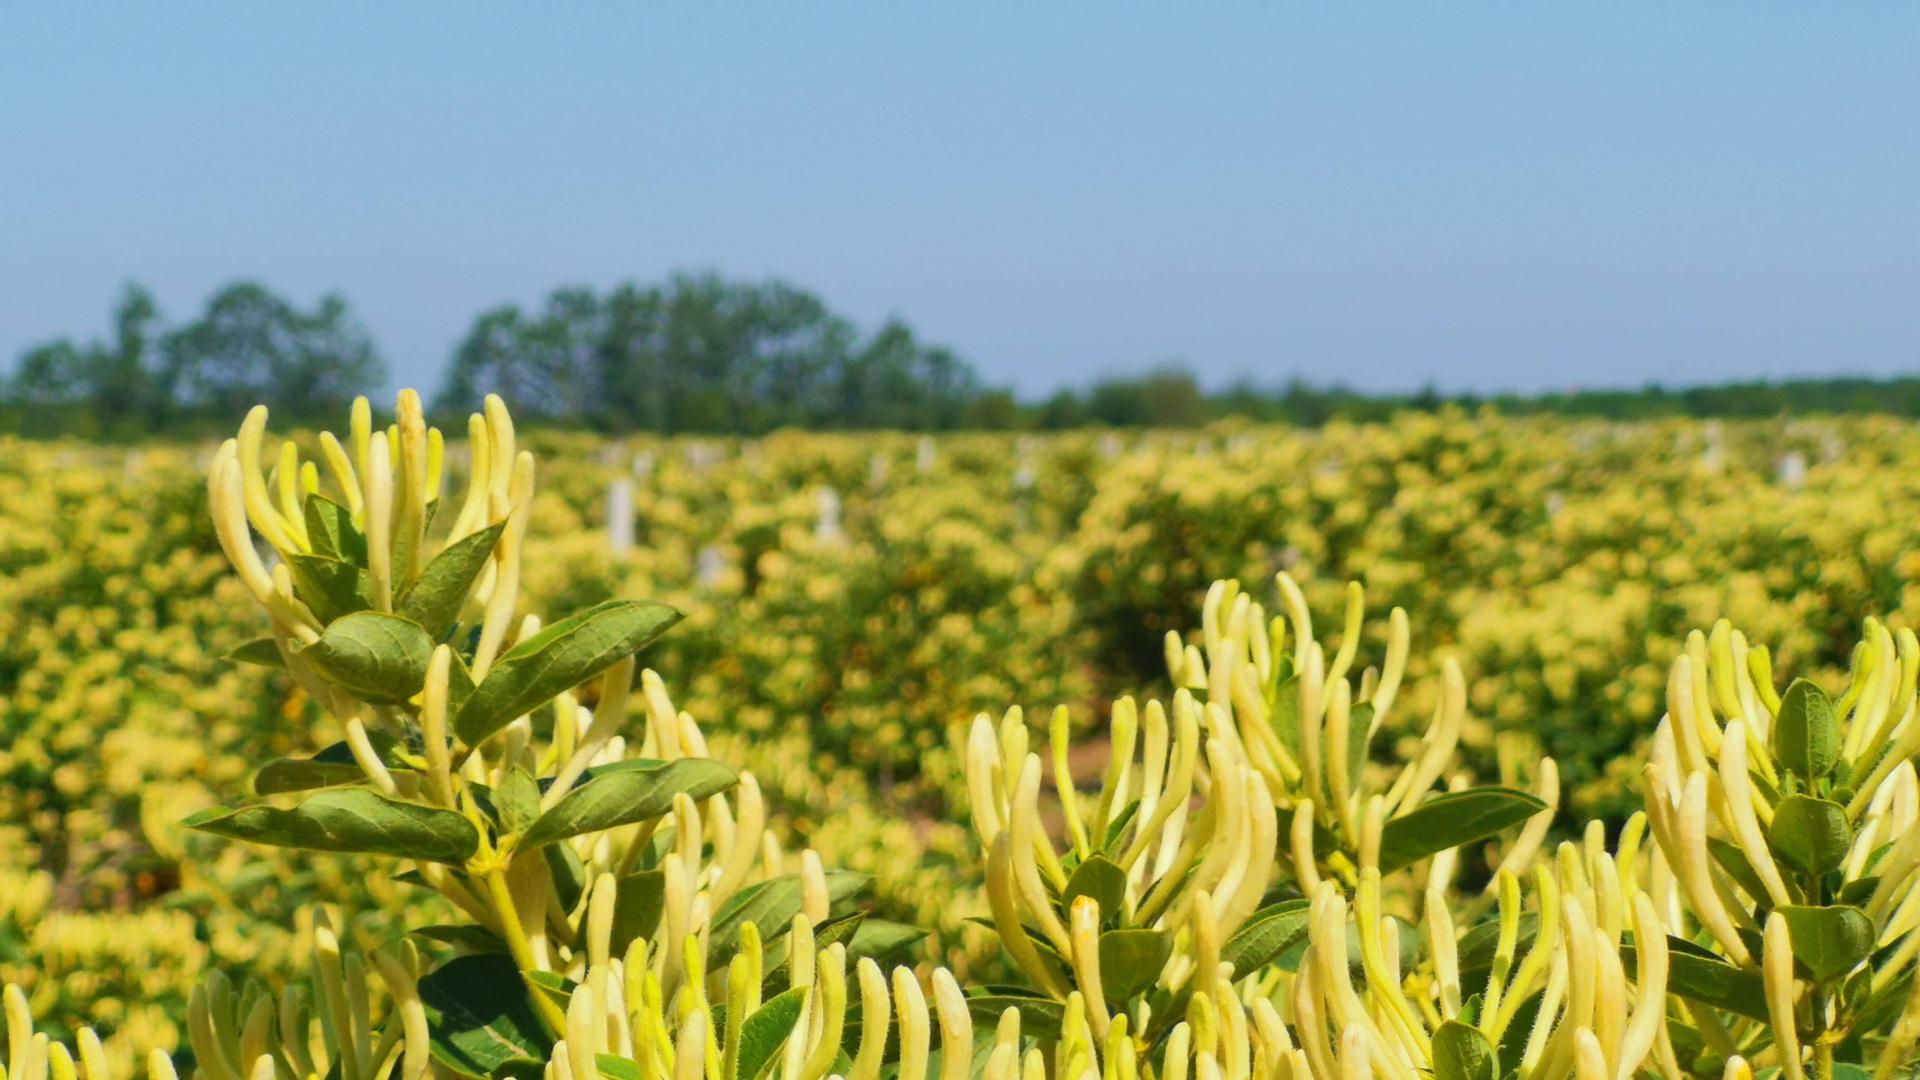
1450, 820
836, 931
568, 872
882, 939
331, 530
1734, 862
614, 1067
1360, 742
349, 820
763, 1033
1040, 1017
372, 655
557, 659
1806, 736
1810, 835
638, 901
479, 1015
517, 800
770, 905
1286, 710
1131, 961
1463, 1053
1827, 941
261, 651
1695, 974
434, 599
1100, 878
615, 797
330, 766
331, 587
472, 938
1117, 828
1270, 932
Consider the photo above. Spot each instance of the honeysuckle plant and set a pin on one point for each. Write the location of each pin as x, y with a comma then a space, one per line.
1788, 830
1306, 722
526, 772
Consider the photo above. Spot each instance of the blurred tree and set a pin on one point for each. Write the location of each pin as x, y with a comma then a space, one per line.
250, 345
701, 353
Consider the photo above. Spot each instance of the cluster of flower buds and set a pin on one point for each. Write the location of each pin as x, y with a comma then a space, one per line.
1169, 910
33, 1055
1134, 915
1530, 993
1307, 728
1788, 835
332, 1028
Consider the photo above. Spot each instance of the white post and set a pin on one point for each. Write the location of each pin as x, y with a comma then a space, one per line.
620, 516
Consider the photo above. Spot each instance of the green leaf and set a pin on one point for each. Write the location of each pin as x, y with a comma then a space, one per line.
329, 767
1270, 932
479, 1015
840, 931
1131, 961
372, 655
1806, 736
517, 800
1694, 974
1827, 941
1478, 945
1117, 828
638, 901
568, 872
474, 939
614, 797
331, 531
1450, 820
349, 820
1734, 862
1359, 742
434, 599
618, 1068
331, 587
1040, 1017
1100, 878
763, 1033
882, 939
1463, 1053
1286, 710
261, 651
771, 906
1810, 835
557, 659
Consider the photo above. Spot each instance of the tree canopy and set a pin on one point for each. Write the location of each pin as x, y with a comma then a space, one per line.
247, 345
700, 353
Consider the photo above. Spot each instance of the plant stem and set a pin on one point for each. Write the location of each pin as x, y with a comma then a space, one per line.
522, 951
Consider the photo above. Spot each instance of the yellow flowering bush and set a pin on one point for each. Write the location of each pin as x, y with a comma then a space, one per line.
1495, 815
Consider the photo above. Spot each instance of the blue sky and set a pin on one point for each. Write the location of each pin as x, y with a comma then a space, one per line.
1485, 196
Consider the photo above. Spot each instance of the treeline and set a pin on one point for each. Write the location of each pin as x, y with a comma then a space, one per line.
699, 353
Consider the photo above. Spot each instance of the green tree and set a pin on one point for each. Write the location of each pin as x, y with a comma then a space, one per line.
251, 345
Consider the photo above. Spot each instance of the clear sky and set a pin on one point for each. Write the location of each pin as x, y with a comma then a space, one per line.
1488, 196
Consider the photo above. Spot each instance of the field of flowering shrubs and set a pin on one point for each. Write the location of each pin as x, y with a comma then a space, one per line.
1457, 746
